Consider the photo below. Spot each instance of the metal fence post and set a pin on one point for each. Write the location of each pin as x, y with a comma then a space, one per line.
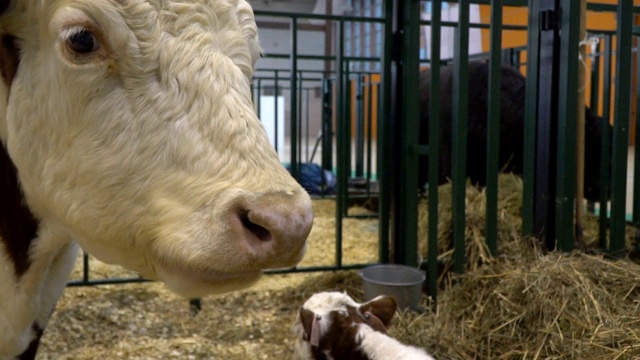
566, 141
459, 143
621, 125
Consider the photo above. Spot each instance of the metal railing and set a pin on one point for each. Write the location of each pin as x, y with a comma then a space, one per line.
349, 99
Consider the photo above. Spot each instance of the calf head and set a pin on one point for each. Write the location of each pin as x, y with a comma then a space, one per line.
330, 321
131, 127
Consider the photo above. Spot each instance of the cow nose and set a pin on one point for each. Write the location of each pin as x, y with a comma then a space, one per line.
273, 228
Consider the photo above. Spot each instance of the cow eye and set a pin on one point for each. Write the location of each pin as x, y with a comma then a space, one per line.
82, 41
367, 316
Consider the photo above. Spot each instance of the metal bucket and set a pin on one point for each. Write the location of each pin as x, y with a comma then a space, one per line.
402, 282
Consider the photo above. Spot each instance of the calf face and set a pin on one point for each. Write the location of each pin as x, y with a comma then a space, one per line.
131, 127
329, 323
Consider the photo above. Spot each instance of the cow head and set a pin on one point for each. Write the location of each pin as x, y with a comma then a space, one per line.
131, 126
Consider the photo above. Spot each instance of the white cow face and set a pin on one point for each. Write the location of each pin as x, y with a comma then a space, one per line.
131, 125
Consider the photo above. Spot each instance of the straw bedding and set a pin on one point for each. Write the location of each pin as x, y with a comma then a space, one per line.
522, 304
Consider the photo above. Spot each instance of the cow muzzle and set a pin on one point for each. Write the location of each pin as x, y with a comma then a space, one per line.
260, 232
272, 233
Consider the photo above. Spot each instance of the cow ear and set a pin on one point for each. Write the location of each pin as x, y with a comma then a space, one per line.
249, 28
306, 317
383, 307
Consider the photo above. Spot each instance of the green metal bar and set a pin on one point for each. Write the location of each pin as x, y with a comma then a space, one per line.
520, 3
636, 158
369, 133
347, 116
434, 150
275, 110
258, 99
106, 282
300, 122
321, 57
621, 125
384, 135
359, 125
408, 209
566, 166
295, 165
531, 115
307, 117
327, 125
595, 78
342, 171
85, 267
477, 25
459, 143
318, 268
493, 126
599, 7
605, 154
307, 16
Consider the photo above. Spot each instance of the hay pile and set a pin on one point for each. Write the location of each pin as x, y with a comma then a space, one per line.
523, 304
510, 241
477, 253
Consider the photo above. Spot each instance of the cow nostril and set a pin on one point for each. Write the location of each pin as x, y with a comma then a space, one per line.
260, 232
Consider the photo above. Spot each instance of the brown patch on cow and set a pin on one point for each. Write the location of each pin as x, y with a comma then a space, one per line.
9, 58
339, 341
18, 226
31, 351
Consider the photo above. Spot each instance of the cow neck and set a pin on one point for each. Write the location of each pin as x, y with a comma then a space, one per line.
18, 226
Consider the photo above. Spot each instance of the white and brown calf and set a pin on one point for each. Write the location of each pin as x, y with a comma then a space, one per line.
332, 326
127, 127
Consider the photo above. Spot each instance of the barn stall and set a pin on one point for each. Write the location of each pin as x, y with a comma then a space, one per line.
500, 290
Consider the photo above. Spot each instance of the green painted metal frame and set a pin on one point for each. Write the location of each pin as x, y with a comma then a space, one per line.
636, 159
568, 88
384, 137
621, 125
605, 152
407, 212
460, 103
342, 143
530, 120
493, 126
434, 149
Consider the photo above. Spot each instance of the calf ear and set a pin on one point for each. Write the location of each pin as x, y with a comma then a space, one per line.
383, 307
306, 318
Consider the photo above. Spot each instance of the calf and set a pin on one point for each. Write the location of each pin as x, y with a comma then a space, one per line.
126, 126
512, 106
331, 325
